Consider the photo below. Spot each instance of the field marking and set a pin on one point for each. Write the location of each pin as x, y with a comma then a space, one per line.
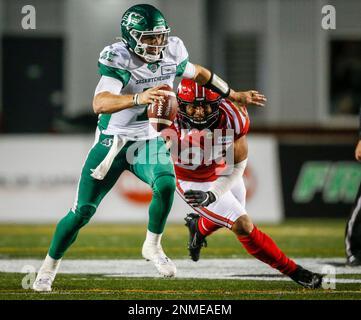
236, 269
300, 292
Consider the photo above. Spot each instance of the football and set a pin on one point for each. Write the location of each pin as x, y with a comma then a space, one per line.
162, 113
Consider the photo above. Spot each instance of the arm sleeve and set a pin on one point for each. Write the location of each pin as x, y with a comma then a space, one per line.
179, 53
108, 84
225, 183
189, 71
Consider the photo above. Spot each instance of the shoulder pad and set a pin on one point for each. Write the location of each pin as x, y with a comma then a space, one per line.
116, 55
177, 50
115, 61
236, 120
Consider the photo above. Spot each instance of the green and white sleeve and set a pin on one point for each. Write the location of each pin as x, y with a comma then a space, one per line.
109, 84
189, 71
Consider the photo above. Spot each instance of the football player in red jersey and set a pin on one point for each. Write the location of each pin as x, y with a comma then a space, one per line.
210, 157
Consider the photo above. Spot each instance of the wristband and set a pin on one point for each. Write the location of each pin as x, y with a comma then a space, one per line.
218, 85
136, 99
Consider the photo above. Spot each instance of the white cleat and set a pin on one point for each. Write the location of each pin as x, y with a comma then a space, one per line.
46, 274
164, 265
43, 282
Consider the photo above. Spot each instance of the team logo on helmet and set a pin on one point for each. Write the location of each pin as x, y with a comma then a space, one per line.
131, 19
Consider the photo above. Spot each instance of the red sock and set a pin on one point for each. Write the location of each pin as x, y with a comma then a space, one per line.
206, 227
263, 248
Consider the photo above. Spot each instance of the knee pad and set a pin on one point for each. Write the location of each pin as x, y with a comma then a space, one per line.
84, 213
165, 185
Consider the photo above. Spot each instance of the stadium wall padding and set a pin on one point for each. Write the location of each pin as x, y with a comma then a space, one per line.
318, 179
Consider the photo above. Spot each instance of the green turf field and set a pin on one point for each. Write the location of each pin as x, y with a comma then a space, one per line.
298, 239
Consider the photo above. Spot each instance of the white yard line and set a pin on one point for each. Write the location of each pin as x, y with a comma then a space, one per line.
239, 269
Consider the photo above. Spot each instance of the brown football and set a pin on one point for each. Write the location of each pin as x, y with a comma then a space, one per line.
162, 113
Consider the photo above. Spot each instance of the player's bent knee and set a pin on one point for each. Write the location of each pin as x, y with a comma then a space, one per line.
84, 214
243, 226
165, 185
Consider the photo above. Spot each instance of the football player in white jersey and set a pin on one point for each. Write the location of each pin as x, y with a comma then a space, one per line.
132, 73
211, 140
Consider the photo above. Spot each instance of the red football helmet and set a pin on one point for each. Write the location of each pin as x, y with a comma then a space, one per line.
189, 93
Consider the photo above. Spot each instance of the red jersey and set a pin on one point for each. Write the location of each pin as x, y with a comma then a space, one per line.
202, 155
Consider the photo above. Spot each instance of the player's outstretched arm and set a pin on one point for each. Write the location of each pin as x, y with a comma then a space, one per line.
107, 102
248, 97
226, 182
211, 81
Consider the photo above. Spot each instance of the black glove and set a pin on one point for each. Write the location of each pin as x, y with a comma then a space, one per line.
198, 198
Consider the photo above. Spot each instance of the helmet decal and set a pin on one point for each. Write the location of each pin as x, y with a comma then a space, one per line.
131, 19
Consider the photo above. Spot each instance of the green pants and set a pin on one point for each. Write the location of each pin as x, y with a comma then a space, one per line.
149, 160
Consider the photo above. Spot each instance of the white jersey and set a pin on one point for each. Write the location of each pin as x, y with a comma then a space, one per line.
136, 76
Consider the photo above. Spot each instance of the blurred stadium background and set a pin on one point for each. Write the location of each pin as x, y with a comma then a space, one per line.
301, 179
301, 145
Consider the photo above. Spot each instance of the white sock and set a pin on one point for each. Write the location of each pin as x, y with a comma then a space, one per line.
50, 265
153, 238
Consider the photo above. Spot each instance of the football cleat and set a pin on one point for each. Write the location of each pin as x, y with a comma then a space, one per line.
46, 274
43, 282
164, 265
307, 278
196, 239
353, 261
